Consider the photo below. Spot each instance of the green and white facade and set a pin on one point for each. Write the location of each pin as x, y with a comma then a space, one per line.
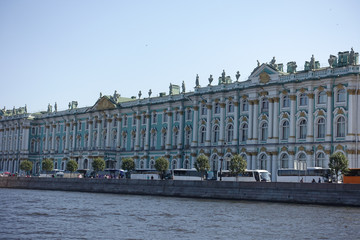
275, 119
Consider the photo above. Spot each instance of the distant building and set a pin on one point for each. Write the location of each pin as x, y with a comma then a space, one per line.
275, 119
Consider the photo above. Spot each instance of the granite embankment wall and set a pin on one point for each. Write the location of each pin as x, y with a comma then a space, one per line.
313, 193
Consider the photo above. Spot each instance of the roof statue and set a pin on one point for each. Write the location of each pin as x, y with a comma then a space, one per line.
223, 77
312, 62
237, 76
352, 57
139, 94
100, 94
258, 63
332, 61
170, 89
183, 87
273, 64
210, 79
291, 67
150, 92
25, 108
49, 109
55, 107
197, 84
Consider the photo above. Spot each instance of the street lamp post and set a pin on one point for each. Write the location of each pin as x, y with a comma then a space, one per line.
221, 163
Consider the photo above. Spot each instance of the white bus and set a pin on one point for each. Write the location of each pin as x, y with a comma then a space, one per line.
187, 174
257, 175
145, 174
313, 174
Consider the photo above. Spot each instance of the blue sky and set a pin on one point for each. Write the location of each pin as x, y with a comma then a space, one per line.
62, 51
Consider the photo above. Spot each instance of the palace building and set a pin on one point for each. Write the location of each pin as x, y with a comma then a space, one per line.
274, 119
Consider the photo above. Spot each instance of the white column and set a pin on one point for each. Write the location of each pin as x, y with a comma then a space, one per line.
108, 131
236, 121
27, 129
253, 161
67, 136
46, 147
276, 120
195, 126
169, 129
98, 138
118, 135
74, 135
53, 137
137, 135
310, 125
222, 122
291, 159
255, 120
268, 163
147, 134
248, 161
292, 118
351, 114
328, 116
271, 116
90, 134
182, 130
251, 117
208, 123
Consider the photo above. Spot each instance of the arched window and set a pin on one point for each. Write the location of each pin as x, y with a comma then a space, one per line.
154, 117
302, 129
264, 131
284, 161
187, 138
263, 160
245, 105
244, 132
174, 164
285, 130
320, 159
187, 164
188, 114
340, 127
285, 101
321, 128
202, 134
216, 108
230, 107
265, 105
340, 96
229, 133
142, 140
153, 140
124, 141
163, 139
114, 140
302, 162
215, 134
176, 138
142, 165
322, 97
152, 164
203, 109
303, 100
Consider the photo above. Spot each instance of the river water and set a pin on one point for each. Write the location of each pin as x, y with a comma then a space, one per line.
37, 214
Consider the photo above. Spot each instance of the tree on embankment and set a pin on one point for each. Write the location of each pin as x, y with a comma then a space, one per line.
338, 164
202, 165
98, 164
237, 165
26, 166
47, 165
162, 165
71, 166
128, 164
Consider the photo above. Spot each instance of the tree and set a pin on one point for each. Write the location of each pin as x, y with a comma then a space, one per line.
128, 164
26, 166
47, 165
338, 163
71, 166
202, 164
98, 164
161, 165
237, 165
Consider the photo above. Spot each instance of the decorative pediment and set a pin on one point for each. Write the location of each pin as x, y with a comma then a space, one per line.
104, 103
264, 74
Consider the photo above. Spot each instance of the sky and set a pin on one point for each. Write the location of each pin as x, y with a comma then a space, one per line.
71, 50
